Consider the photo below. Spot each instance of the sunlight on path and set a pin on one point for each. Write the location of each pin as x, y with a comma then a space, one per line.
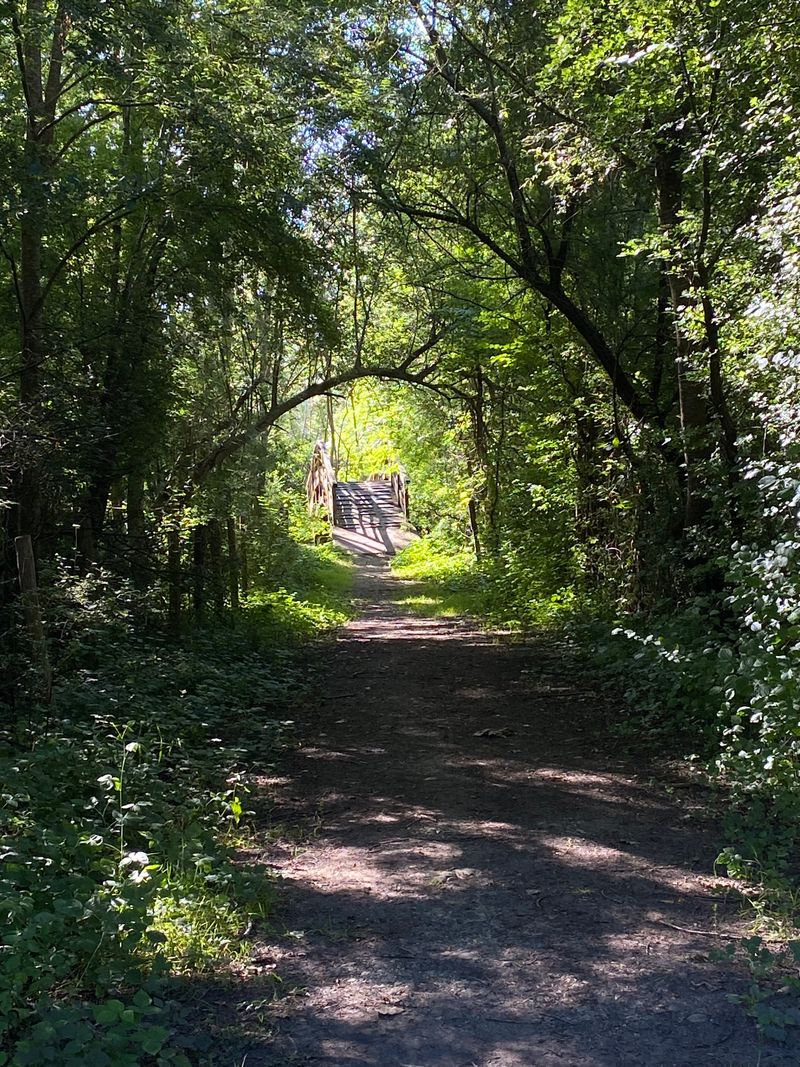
368, 522
487, 882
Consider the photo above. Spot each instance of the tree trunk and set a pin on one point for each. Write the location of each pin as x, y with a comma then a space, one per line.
198, 572
244, 569
692, 405
174, 580
233, 564
92, 517
490, 495
588, 510
131, 272
473, 525
41, 95
137, 536
32, 615
215, 566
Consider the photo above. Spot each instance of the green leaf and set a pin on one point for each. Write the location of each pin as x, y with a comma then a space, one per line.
153, 1039
109, 1012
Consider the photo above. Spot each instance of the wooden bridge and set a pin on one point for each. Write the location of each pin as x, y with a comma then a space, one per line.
369, 518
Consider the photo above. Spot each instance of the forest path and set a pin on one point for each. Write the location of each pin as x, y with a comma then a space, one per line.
461, 898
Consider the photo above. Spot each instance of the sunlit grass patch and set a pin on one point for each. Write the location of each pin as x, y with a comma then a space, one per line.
452, 582
445, 583
438, 604
280, 611
429, 560
319, 600
202, 924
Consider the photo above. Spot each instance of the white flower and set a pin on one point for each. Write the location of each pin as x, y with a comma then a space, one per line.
134, 859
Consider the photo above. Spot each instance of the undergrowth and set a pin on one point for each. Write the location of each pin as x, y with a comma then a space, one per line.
441, 582
727, 693
772, 997
121, 806
312, 598
502, 591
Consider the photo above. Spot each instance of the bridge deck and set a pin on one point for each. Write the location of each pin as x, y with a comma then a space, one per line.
367, 520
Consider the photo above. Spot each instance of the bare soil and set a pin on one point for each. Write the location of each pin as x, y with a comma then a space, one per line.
474, 874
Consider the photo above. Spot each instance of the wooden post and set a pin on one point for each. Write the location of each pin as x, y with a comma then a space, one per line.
32, 613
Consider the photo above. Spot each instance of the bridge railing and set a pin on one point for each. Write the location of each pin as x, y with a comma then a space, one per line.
398, 482
321, 482
400, 492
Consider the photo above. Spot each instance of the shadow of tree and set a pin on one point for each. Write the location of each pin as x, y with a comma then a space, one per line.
522, 896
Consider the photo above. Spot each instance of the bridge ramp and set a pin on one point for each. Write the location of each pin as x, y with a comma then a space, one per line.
367, 521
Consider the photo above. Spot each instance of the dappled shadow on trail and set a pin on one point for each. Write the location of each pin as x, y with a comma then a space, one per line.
481, 878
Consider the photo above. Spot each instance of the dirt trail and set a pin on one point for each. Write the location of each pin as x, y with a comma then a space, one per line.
487, 900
